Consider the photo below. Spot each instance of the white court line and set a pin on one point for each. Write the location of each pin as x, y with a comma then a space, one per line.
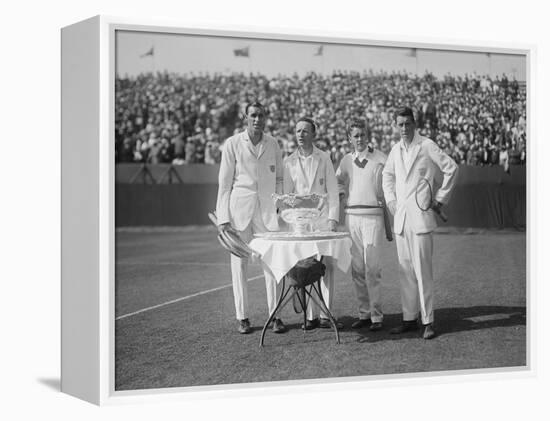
181, 299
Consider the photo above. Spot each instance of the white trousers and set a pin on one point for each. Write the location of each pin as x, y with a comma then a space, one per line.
239, 272
366, 236
415, 259
327, 290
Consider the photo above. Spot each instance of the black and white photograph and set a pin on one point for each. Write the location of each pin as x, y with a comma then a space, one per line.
261, 210
291, 209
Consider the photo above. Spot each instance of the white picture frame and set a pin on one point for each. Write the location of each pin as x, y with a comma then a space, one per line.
88, 63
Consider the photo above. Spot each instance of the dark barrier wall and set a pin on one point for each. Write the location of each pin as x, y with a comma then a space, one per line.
488, 206
484, 197
164, 204
208, 174
163, 173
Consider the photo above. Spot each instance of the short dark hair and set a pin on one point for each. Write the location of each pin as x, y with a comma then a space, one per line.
255, 104
404, 112
308, 120
356, 123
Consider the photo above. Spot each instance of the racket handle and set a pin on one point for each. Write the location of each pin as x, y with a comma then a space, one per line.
387, 224
213, 219
442, 215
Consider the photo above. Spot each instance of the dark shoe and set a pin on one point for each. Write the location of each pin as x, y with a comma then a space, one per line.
361, 323
325, 324
375, 327
429, 332
406, 326
279, 326
244, 326
311, 324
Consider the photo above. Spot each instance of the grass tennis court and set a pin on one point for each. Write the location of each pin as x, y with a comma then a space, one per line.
175, 318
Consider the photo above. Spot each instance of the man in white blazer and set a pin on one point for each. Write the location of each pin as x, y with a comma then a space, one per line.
413, 158
309, 170
251, 170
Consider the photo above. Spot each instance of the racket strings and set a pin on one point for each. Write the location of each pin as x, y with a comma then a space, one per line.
424, 195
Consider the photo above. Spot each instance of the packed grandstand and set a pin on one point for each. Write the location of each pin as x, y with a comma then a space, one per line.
181, 119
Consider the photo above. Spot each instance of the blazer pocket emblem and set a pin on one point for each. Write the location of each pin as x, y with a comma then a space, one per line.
422, 172
272, 168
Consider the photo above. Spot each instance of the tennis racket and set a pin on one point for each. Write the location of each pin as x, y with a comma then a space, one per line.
424, 198
230, 248
382, 201
231, 241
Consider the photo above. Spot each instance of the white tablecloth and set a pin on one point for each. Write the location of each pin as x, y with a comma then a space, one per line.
281, 256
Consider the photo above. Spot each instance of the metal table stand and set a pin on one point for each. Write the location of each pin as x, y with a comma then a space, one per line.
302, 289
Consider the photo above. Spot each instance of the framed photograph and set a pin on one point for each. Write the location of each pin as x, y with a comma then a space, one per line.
153, 304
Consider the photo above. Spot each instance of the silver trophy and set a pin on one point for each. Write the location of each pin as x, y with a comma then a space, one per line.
300, 211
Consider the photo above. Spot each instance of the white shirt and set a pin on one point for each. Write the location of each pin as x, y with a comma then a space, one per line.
258, 147
306, 163
322, 180
407, 152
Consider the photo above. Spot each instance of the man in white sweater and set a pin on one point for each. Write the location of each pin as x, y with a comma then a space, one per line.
365, 222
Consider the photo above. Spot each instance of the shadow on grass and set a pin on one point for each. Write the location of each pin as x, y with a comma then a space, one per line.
451, 320
298, 335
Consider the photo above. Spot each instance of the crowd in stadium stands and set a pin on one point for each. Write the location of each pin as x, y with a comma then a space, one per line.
170, 118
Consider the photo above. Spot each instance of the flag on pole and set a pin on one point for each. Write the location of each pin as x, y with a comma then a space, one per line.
411, 52
241, 52
150, 52
319, 51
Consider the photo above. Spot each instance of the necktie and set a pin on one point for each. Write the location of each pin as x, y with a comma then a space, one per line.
360, 164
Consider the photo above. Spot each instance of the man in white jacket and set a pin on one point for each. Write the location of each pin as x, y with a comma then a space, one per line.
412, 159
251, 170
309, 170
